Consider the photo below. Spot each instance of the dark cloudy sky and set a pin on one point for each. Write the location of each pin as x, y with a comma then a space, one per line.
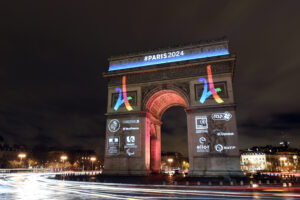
53, 54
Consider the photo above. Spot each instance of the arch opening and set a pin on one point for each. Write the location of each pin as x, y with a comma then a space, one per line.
155, 107
174, 140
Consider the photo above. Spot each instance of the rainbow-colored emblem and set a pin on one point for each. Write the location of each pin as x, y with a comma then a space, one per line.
213, 91
125, 99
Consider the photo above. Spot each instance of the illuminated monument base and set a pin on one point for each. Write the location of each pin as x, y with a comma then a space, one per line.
215, 151
211, 167
143, 86
140, 156
145, 158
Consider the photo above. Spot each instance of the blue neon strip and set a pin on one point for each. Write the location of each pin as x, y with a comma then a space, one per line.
168, 60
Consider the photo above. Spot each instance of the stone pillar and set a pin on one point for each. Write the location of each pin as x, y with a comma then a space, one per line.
155, 148
213, 142
123, 156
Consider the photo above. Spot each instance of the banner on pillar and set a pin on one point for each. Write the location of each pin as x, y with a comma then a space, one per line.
123, 136
215, 133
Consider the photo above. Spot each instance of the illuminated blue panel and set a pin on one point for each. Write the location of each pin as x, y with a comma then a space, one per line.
188, 56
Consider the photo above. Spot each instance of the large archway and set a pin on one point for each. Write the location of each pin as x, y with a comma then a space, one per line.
157, 104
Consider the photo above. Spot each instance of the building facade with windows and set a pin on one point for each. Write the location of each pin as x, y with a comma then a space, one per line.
254, 161
270, 159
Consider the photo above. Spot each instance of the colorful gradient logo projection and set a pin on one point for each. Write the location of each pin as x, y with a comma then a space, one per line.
125, 99
213, 91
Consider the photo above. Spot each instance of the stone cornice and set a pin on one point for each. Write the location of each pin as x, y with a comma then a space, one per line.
172, 73
209, 107
170, 66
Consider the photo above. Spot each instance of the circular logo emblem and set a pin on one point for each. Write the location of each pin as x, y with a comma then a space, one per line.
219, 147
202, 140
114, 125
131, 139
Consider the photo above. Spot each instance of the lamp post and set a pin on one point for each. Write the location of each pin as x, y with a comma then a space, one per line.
295, 160
92, 160
21, 156
170, 161
63, 158
282, 162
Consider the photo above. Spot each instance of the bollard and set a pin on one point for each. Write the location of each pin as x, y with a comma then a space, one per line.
198, 182
221, 183
251, 182
290, 184
268, 182
231, 183
241, 183
259, 182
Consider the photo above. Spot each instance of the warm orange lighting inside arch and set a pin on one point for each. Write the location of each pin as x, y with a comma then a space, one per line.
158, 103
163, 100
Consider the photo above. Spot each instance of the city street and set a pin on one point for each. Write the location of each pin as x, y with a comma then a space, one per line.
35, 186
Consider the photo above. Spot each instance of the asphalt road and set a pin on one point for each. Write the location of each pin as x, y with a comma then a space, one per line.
34, 186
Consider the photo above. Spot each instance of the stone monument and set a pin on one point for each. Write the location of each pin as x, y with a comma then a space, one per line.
142, 86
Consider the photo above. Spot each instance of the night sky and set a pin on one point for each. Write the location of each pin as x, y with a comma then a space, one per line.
53, 54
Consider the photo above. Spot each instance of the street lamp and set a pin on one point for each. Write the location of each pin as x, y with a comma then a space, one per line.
282, 158
170, 161
21, 156
93, 159
282, 162
295, 157
63, 158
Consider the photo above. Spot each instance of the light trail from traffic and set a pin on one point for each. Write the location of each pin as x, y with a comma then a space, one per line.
35, 186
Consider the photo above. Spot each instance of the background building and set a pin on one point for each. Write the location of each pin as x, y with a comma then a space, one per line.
253, 161
173, 162
10, 156
53, 159
270, 159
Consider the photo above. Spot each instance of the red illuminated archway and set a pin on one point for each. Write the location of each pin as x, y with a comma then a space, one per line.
156, 105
